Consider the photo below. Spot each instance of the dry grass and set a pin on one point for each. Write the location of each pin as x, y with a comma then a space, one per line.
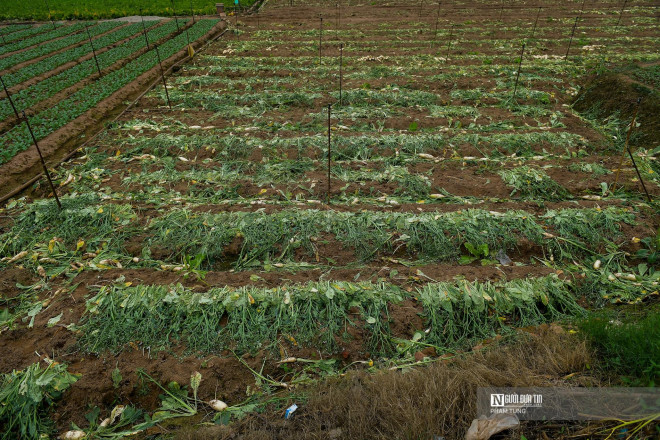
438, 400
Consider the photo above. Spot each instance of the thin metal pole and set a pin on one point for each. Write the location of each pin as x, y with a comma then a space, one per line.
451, 33
144, 30
621, 14
192, 12
175, 17
320, 38
515, 89
329, 154
50, 17
571, 40
43, 162
536, 22
98, 68
9, 97
341, 74
162, 74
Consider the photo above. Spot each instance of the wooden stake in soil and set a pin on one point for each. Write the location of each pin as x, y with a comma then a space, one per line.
162, 74
49, 15
320, 38
435, 32
341, 73
536, 22
515, 89
43, 162
98, 68
144, 30
632, 158
329, 155
571, 40
192, 12
451, 34
176, 20
621, 14
11, 102
501, 10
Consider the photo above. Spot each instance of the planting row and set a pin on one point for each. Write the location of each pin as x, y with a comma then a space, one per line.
58, 44
113, 232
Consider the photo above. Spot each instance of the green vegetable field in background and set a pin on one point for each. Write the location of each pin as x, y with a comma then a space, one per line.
72, 9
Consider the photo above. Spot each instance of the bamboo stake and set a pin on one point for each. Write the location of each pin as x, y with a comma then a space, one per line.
329, 154
176, 20
621, 14
144, 30
571, 40
43, 162
536, 22
11, 102
515, 89
451, 33
341, 73
98, 68
627, 148
437, 19
49, 15
162, 74
320, 38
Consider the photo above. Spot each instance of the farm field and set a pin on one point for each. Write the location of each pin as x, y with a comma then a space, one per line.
458, 214
53, 75
98, 9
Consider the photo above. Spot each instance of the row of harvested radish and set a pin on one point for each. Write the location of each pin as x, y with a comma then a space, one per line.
610, 277
217, 405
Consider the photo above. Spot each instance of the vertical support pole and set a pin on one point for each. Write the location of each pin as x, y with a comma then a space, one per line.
571, 40
341, 74
320, 38
451, 33
162, 74
632, 158
515, 89
50, 17
43, 162
329, 154
144, 30
435, 31
176, 20
192, 12
98, 68
536, 22
11, 102
621, 14
501, 10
